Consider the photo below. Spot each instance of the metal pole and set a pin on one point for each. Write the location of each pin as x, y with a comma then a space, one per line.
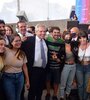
48, 11
18, 5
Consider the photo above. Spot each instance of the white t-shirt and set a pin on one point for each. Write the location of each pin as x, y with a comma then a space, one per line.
85, 53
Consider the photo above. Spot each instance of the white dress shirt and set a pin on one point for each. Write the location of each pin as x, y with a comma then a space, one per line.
74, 39
37, 58
27, 34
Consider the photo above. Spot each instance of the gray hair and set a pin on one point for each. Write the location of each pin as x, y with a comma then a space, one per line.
39, 25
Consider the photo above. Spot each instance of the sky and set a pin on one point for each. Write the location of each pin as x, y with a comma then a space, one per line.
36, 10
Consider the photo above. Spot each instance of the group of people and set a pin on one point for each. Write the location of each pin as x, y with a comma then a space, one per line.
13, 66
38, 60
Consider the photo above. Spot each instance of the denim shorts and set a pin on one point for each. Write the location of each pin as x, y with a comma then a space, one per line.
53, 75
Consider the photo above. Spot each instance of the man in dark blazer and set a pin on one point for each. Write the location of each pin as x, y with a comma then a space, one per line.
37, 72
74, 43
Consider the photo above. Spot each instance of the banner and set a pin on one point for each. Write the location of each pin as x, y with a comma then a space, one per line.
82, 11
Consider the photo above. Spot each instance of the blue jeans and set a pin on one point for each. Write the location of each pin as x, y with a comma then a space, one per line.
67, 77
82, 74
13, 84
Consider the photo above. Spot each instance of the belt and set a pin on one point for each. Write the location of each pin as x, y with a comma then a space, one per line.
54, 67
84, 62
68, 63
